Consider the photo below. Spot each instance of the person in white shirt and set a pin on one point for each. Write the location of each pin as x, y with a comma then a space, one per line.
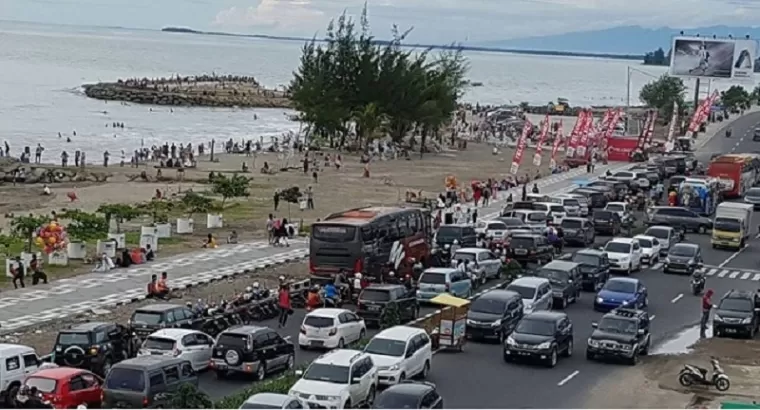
455, 247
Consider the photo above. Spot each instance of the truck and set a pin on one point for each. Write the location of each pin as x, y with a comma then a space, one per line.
731, 226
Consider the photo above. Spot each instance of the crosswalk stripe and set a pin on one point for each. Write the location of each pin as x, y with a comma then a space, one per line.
745, 276
734, 274
711, 272
723, 273
756, 277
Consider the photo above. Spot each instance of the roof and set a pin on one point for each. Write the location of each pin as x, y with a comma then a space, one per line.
439, 270
574, 218
339, 357
685, 245
148, 361
360, 216
669, 228
739, 294
12, 348
623, 279
86, 327
560, 265
172, 333
400, 332
382, 286
499, 294
647, 237
244, 329
271, 399
545, 315
158, 307
58, 373
590, 251
528, 281
471, 250
326, 312
617, 203
448, 300
622, 240
409, 388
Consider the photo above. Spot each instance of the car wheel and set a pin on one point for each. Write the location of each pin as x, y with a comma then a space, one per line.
563, 303
629, 270
646, 302
261, 372
425, 370
370, 397
291, 362
569, 351
362, 334
341, 343
634, 360
552, 362
10, 396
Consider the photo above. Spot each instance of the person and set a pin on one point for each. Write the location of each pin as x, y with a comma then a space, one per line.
455, 246
283, 301
408, 283
392, 279
160, 287
210, 242
728, 133
17, 271
707, 305
313, 301
149, 254
525, 192
37, 274
535, 189
233, 237
331, 293
46, 190
270, 228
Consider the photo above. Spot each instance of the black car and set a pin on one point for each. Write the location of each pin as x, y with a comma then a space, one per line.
494, 314
607, 222
94, 346
621, 334
595, 268
252, 350
683, 258
578, 231
526, 248
374, 299
408, 394
737, 314
464, 234
150, 318
540, 336
596, 198
566, 281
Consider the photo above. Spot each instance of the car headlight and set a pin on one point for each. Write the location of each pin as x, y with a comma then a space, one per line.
629, 347
528, 308
667, 261
746, 321
593, 343
469, 322
544, 345
394, 368
599, 300
511, 341
496, 323
717, 318
625, 259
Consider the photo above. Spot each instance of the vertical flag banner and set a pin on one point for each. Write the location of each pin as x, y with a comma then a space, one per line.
521, 143
643, 131
542, 136
572, 141
650, 130
673, 119
588, 125
557, 141
702, 112
614, 119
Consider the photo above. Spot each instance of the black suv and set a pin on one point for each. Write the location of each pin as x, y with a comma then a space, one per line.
150, 318
540, 336
494, 314
737, 313
622, 333
94, 346
374, 299
607, 222
683, 258
464, 234
408, 394
526, 248
595, 268
251, 350
565, 279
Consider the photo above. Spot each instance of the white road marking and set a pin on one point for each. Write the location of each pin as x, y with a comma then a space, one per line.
730, 258
677, 298
756, 277
651, 318
568, 378
723, 273
734, 274
657, 266
711, 272
745, 276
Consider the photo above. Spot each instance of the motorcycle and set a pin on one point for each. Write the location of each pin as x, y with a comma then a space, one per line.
697, 284
694, 375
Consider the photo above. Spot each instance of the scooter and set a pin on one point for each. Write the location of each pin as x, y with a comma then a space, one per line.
694, 375
697, 284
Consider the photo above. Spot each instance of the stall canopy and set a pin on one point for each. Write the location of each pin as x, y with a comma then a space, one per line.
448, 300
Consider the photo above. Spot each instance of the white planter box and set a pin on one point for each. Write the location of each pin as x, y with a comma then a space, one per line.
58, 258
120, 238
76, 250
149, 239
214, 221
108, 247
164, 230
184, 225
148, 230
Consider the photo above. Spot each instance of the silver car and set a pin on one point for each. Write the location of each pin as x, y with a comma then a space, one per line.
753, 197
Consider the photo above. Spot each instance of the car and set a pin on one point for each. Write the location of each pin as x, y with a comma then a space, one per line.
148, 319
400, 353
512, 224
540, 336
756, 134
494, 314
666, 235
578, 231
536, 293
596, 198
339, 379
16, 361
622, 333
752, 196
565, 279
94, 346
492, 229
253, 350
409, 395
531, 248
650, 249
435, 281
374, 299
146, 382
635, 179
572, 205
623, 210
619, 189
447, 234
555, 212
594, 266
624, 254
737, 314
273, 401
192, 345
583, 202
621, 292
485, 264
67, 387
330, 328
680, 217
607, 222
535, 220
683, 258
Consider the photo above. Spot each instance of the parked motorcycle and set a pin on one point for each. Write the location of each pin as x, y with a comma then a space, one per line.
693, 375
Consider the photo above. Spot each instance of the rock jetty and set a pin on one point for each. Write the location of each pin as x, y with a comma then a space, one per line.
195, 91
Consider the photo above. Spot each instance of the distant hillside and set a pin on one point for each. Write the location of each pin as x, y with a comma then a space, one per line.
619, 40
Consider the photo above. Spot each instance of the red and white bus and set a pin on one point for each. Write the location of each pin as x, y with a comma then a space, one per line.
736, 172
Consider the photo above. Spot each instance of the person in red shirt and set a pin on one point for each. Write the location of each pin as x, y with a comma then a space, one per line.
283, 298
707, 305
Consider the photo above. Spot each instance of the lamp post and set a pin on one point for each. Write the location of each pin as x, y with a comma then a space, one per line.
630, 70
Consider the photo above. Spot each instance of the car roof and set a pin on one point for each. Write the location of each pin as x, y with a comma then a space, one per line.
148, 362
573, 218
339, 357
738, 294
158, 307
270, 399
382, 286
7, 349
443, 271
668, 228
400, 332
622, 279
545, 315
327, 312
560, 265
410, 388
245, 329
499, 294
86, 327
685, 245
617, 203
529, 281
471, 250
646, 237
590, 251
623, 240
173, 333
58, 373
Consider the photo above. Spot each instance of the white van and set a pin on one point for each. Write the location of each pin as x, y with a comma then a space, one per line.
556, 212
16, 362
536, 293
400, 353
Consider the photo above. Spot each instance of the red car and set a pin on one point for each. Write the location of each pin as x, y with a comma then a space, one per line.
67, 387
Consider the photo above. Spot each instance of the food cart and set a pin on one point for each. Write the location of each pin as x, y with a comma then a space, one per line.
452, 323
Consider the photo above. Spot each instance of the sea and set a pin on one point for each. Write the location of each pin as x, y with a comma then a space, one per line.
42, 68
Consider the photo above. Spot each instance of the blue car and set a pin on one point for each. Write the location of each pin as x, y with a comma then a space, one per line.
435, 281
622, 291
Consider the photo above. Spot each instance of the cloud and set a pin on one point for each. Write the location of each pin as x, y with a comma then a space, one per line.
276, 14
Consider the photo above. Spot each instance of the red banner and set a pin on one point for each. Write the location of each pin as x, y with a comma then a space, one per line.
541, 137
557, 141
588, 126
673, 119
643, 132
521, 143
601, 128
572, 141
701, 113
649, 134
614, 119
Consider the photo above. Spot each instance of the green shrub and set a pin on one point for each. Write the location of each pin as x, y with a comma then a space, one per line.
188, 396
391, 316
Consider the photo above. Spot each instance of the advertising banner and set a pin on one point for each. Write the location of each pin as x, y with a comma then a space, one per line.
650, 130
541, 137
702, 111
521, 143
620, 148
588, 126
615, 118
700, 57
573, 140
673, 119
555, 147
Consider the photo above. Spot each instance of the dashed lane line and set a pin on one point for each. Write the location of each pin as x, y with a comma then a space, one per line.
568, 378
677, 298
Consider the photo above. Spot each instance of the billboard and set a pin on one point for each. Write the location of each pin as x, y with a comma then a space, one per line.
713, 58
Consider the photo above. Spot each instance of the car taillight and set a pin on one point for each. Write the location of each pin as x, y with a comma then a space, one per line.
358, 266
303, 330
145, 402
448, 286
333, 332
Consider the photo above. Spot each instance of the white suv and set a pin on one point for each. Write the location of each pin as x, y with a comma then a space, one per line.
340, 379
624, 254
401, 352
16, 362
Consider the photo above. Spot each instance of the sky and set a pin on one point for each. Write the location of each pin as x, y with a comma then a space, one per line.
433, 21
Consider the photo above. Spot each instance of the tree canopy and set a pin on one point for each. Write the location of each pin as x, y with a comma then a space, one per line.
657, 57
378, 89
735, 97
662, 92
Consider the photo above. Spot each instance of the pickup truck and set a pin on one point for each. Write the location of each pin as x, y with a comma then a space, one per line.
731, 226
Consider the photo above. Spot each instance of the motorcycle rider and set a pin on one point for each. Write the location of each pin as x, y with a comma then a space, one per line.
331, 294
392, 279
707, 305
728, 133
408, 283
435, 258
313, 300
699, 277
417, 267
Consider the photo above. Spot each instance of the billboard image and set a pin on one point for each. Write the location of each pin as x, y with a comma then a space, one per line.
745, 55
702, 57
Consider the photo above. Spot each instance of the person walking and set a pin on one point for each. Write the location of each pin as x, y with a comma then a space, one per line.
309, 197
17, 272
707, 305
286, 309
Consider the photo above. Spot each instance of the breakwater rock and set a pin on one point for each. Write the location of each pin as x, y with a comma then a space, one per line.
189, 93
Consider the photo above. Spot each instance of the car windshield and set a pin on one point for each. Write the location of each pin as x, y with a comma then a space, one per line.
536, 217
554, 275
524, 291
571, 224
512, 222
618, 247
586, 259
738, 305
603, 215
572, 202
375, 295
146, 318
727, 225
386, 347
43, 384
125, 379
488, 305
464, 256
448, 233
521, 242
66, 338
754, 192
615, 207
645, 243
657, 233
390, 400
557, 208
433, 278
496, 226
158, 343
319, 321
232, 340
620, 286
679, 250
618, 325
327, 373
535, 327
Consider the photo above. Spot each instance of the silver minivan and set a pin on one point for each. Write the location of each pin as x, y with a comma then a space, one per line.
536, 293
667, 236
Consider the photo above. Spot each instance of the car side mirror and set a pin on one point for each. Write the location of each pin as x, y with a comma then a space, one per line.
594, 325
299, 373
356, 380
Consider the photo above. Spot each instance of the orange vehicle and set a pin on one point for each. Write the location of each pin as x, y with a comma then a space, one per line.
737, 173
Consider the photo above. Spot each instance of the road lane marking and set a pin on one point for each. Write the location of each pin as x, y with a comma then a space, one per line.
734, 274
730, 258
711, 272
657, 266
756, 277
677, 298
568, 378
723, 273
745, 276
651, 318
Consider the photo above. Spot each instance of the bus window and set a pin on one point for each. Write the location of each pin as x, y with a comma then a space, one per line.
333, 233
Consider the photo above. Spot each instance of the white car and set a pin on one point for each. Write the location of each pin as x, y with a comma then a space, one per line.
273, 401
331, 328
400, 353
339, 379
191, 345
624, 254
492, 229
650, 248
556, 212
576, 204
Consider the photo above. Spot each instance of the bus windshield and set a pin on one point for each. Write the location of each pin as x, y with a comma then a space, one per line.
333, 233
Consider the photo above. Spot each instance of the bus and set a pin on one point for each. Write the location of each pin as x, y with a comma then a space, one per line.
737, 173
370, 240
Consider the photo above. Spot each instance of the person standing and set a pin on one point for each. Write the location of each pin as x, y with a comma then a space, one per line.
38, 153
286, 309
270, 229
309, 197
707, 305
276, 199
17, 271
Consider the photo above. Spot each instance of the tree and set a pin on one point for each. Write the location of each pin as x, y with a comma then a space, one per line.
120, 213
230, 187
735, 97
187, 396
26, 226
391, 316
662, 93
85, 226
158, 210
194, 203
657, 57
